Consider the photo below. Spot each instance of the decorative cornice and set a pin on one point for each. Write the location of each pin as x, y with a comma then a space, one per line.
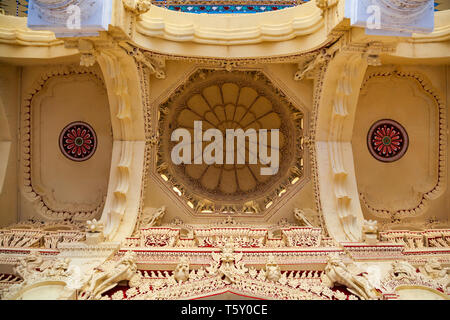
83, 250
13, 30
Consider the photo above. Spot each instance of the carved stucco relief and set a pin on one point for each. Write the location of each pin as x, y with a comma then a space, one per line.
236, 200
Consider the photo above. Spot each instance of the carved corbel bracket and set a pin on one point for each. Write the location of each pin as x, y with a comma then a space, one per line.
156, 65
87, 51
329, 11
137, 6
326, 4
370, 51
308, 69
90, 49
86, 48
372, 54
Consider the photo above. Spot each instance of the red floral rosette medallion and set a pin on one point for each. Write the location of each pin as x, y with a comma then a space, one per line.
387, 140
78, 141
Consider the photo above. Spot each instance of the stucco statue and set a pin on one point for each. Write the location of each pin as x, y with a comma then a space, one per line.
87, 60
370, 230
370, 226
403, 270
337, 272
104, 280
273, 271
251, 206
204, 205
58, 268
229, 220
325, 4
228, 265
152, 219
301, 217
306, 71
181, 272
434, 269
137, 6
28, 266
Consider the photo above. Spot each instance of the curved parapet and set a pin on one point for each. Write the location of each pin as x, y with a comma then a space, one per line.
298, 29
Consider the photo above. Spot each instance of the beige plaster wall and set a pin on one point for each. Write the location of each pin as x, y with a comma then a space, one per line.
400, 185
66, 185
9, 115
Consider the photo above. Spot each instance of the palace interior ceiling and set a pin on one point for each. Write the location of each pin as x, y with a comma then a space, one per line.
88, 177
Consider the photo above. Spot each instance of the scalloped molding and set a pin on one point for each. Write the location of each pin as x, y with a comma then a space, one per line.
13, 30
286, 24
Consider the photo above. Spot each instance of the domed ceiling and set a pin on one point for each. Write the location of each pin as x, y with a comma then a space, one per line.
222, 101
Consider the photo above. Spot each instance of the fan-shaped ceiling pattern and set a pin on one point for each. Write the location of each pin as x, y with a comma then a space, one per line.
224, 101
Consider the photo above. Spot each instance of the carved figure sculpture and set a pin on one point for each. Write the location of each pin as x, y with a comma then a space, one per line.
181, 272
228, 264
28, 266
403, 270
251, 206
370, 230
229, 221
337, 272
58, 268
137, 6
103, 280
151, 220
370, 226
325, 4
434, 269
307, 70
273, 271
204, 205
301, 218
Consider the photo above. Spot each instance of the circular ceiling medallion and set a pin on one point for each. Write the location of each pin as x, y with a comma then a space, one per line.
78, 141
224, 101
387, 140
